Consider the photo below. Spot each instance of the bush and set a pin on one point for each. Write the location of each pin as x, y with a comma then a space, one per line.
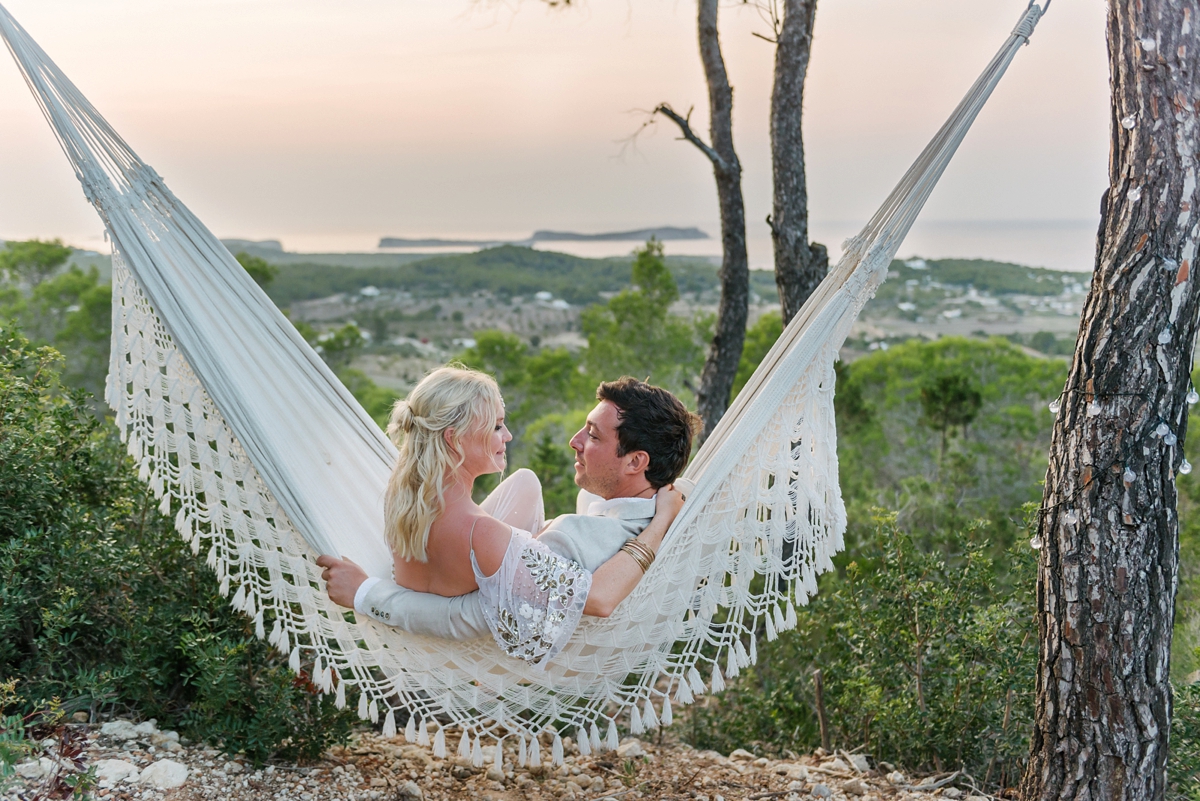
1183, 764
101, 606
925, 663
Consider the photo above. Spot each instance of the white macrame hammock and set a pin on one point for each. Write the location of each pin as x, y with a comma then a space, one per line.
267, 461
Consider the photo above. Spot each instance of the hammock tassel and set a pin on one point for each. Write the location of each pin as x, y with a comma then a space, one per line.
694, 680
613, 740
373, 713
649, 718
259, 630
597, 744
585, 746
771, 633
667, 717
464, 746
283, 645
790, 620
684, 694
718, 681
635, 720
535, 753
556, 751
239, 598
389, 724
339, 700
362, 706
498, 759
423, 733
439, 744
294, 660
780, 624
753, 650
224, 588
743, 658
731, 664
521, 754
477, 752
165, 507
410, 729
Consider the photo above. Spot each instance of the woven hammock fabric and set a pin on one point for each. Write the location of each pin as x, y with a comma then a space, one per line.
266, 461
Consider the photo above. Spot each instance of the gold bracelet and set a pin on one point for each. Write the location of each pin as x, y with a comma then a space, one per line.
640, 554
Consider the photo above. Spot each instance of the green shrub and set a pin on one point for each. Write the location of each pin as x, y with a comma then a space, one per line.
102, 607
1183, 765
926, 663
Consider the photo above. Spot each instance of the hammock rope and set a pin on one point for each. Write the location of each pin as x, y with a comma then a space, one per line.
267, 461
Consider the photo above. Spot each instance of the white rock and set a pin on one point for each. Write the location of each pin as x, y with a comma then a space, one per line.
952, 792
148, 728
821, 791
116, 770
796, 787
835, 764
165, 774
119, 730
896, 777
233, 767
860, 762
163, 737
741, 755
630, 749
798, 772
35, 770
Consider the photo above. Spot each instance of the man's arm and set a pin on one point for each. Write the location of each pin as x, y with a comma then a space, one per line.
456, 618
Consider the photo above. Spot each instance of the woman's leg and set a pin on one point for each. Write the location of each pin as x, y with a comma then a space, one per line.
518, 501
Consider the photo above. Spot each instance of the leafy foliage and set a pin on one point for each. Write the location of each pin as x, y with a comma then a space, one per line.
927, 663
635, 333
259, 268
32, 261
101, 606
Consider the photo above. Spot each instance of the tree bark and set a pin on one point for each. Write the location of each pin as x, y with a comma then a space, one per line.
799, 264
725, 351
1108, 528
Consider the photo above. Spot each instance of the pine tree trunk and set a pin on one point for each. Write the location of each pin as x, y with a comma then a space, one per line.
1108, 527
716, 380
799, 264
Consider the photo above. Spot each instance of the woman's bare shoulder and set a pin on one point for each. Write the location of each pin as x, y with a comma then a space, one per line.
490, 542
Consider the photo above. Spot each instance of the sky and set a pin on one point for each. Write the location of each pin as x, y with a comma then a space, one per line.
327, 124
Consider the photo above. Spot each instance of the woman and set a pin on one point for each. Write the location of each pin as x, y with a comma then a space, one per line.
450, 430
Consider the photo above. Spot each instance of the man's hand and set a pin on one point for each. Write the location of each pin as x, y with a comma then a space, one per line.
342, 579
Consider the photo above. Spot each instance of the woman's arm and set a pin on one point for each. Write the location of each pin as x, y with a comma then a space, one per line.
617, 577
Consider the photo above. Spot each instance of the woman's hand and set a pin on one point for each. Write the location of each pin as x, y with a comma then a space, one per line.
342, 579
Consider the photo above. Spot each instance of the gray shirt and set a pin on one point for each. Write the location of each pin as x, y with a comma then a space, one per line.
591, 538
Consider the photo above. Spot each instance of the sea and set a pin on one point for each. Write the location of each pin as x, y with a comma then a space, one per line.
1067, 245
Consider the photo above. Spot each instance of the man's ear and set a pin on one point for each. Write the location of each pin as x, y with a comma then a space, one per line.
637, 462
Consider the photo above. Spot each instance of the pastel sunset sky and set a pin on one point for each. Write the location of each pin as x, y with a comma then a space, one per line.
328, 124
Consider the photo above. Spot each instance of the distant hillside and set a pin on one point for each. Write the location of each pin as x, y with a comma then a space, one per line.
506, 270
664, 234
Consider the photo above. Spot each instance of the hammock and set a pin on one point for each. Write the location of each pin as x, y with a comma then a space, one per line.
267, 461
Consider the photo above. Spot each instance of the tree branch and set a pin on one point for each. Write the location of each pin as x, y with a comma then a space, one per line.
686, 129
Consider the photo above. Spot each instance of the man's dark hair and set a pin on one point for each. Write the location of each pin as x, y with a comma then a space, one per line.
655, 421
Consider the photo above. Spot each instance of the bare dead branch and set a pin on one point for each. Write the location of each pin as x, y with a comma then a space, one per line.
685, 128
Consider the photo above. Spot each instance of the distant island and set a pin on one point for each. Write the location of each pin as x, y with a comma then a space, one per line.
665, 234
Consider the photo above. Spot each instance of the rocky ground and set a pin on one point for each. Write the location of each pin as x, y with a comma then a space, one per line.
140, 762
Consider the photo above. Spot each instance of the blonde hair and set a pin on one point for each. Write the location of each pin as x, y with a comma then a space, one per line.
449, 397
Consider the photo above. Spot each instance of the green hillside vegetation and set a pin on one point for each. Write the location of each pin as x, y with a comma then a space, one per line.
993, 277
504, 271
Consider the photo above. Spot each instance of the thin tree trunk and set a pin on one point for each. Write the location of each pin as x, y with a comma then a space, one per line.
1109, 562
716, 379
799, 264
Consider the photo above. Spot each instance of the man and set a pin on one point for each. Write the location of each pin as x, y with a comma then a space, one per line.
638, 438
